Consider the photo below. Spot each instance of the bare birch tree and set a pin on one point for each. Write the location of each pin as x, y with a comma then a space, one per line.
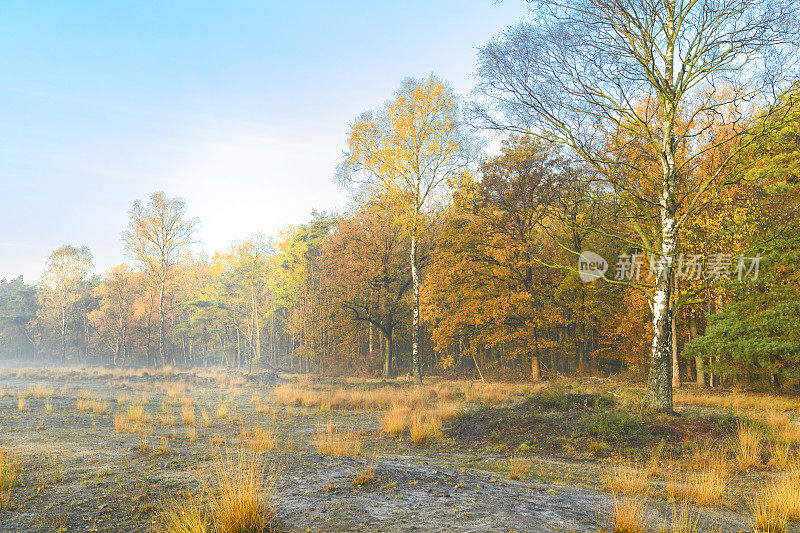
406, 152
66, 270
158, 237
594, 75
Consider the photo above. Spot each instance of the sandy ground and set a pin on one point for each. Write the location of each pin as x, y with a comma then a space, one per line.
79, 474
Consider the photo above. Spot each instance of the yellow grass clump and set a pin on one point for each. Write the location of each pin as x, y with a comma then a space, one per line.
626, 478
367, 474
628, 515
704, 487
777, 503
187, 415
240, 492
96, 406
237, 497
766, 514
259, 439
684, 520
748, 445
424, 428
186, 515
518, 467
779, 454
395, 421
333, 441
22, 404
40, 391
9, 477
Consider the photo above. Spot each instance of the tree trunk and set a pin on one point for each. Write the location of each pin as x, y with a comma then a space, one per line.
161, 323
386, 348
415, 356
698, 361
676, 368
660, 379
536, 372
63, 336
257, 327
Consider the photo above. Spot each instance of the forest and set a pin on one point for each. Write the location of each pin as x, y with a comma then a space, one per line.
493, 289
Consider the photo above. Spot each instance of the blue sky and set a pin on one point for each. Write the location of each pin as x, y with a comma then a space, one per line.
241, 108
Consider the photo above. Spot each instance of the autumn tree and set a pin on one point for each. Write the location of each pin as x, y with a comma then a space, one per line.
578, 74
65, 272
368, 277
158, 237
296, 282
406, 152
114, 317
246, 268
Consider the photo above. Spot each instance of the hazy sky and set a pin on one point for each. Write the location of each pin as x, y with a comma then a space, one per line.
241, 108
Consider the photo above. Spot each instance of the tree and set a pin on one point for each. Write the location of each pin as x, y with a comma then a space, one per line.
115, 314
65, 272
17, 308
757, 334
594, 75
368, 276
405, 153
158, 237
246, 271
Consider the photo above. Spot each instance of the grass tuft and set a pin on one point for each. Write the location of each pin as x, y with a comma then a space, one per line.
748, 445
332, 441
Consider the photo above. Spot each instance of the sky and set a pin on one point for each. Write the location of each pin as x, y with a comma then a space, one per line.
241, 108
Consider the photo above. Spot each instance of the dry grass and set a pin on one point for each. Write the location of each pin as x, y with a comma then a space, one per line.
166, 419
332, 441
738, 401
766, 515
626, 478
221, 411
777, 503
628, 515
240, 492
367, 474
137, 413
779, 454
296, 396
684, 520
237, 497
748, 445
94, 405
9, 477
259, 439
185, 515
40, 391
134, 420
396, 420
782, 426
424, 428
518, 467
704, 487
450, 394
187, 415
22, 404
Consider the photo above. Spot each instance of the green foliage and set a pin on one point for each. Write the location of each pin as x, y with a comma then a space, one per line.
612, 425
17, 307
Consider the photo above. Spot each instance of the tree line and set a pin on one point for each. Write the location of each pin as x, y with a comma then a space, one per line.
662, 138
